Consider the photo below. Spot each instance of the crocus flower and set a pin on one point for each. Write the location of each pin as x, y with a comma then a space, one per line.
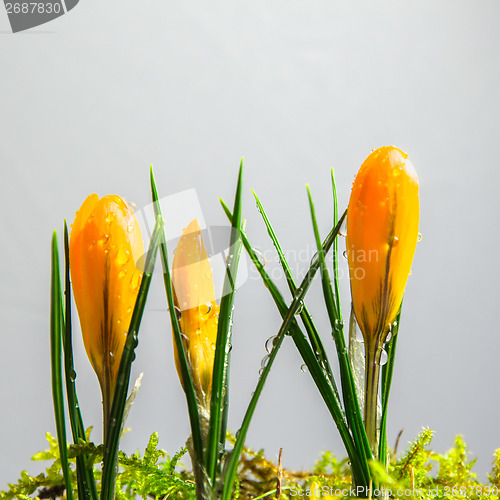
382, 233
105, 246
194, 298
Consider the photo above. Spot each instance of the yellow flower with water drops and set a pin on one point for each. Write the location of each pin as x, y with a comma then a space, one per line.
194, 298
382, 233
104, 248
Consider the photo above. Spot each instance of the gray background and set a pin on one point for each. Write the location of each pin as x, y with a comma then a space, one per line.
91, 99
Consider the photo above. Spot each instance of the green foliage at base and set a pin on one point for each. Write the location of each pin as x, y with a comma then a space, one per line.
420, 473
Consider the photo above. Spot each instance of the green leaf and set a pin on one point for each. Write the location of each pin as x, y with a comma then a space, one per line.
86, 483
120, 397
348, 386
306, 317
387, 373
219, 401
319, 375
187, 382
56, 327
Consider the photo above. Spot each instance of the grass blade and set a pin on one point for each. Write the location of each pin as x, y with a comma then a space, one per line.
123, 379
319, 376
335, 250
304, 314
56, 328
86, 483
220, 389
387, 373
194, 417
348, 386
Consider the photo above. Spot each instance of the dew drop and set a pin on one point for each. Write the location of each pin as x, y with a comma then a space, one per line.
122, 273
130, 228
394, 241
304, 368
136, 280
271, 342
344, 253
260, 256
419, 237
299, 309
122, 257
314, 259
264, 362
383, 358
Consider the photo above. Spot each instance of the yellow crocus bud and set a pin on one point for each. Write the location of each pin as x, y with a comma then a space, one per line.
194, 297
382, 233
104, 249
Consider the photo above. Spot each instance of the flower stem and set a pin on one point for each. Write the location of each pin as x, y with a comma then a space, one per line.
372, 375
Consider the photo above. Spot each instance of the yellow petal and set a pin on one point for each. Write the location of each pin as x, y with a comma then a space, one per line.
194, 296
382, 233
105, 244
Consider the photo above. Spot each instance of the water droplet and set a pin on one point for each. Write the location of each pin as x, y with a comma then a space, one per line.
132, 205
304, 368
260, 256
343, 228
129, 309
130, 228
383, 358
271, 342
314, 260
299, 308
344, 253
205, 309
122, 273
110, 217
264, 362
177, 313
122, 257
389, 336
118, 321
419, 237
136, 280
72, 375
394, 241
111, 354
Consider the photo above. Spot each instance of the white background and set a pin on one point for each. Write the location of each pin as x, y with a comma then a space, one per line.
90, 100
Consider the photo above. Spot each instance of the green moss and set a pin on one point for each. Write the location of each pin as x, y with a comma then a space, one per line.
420, 473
